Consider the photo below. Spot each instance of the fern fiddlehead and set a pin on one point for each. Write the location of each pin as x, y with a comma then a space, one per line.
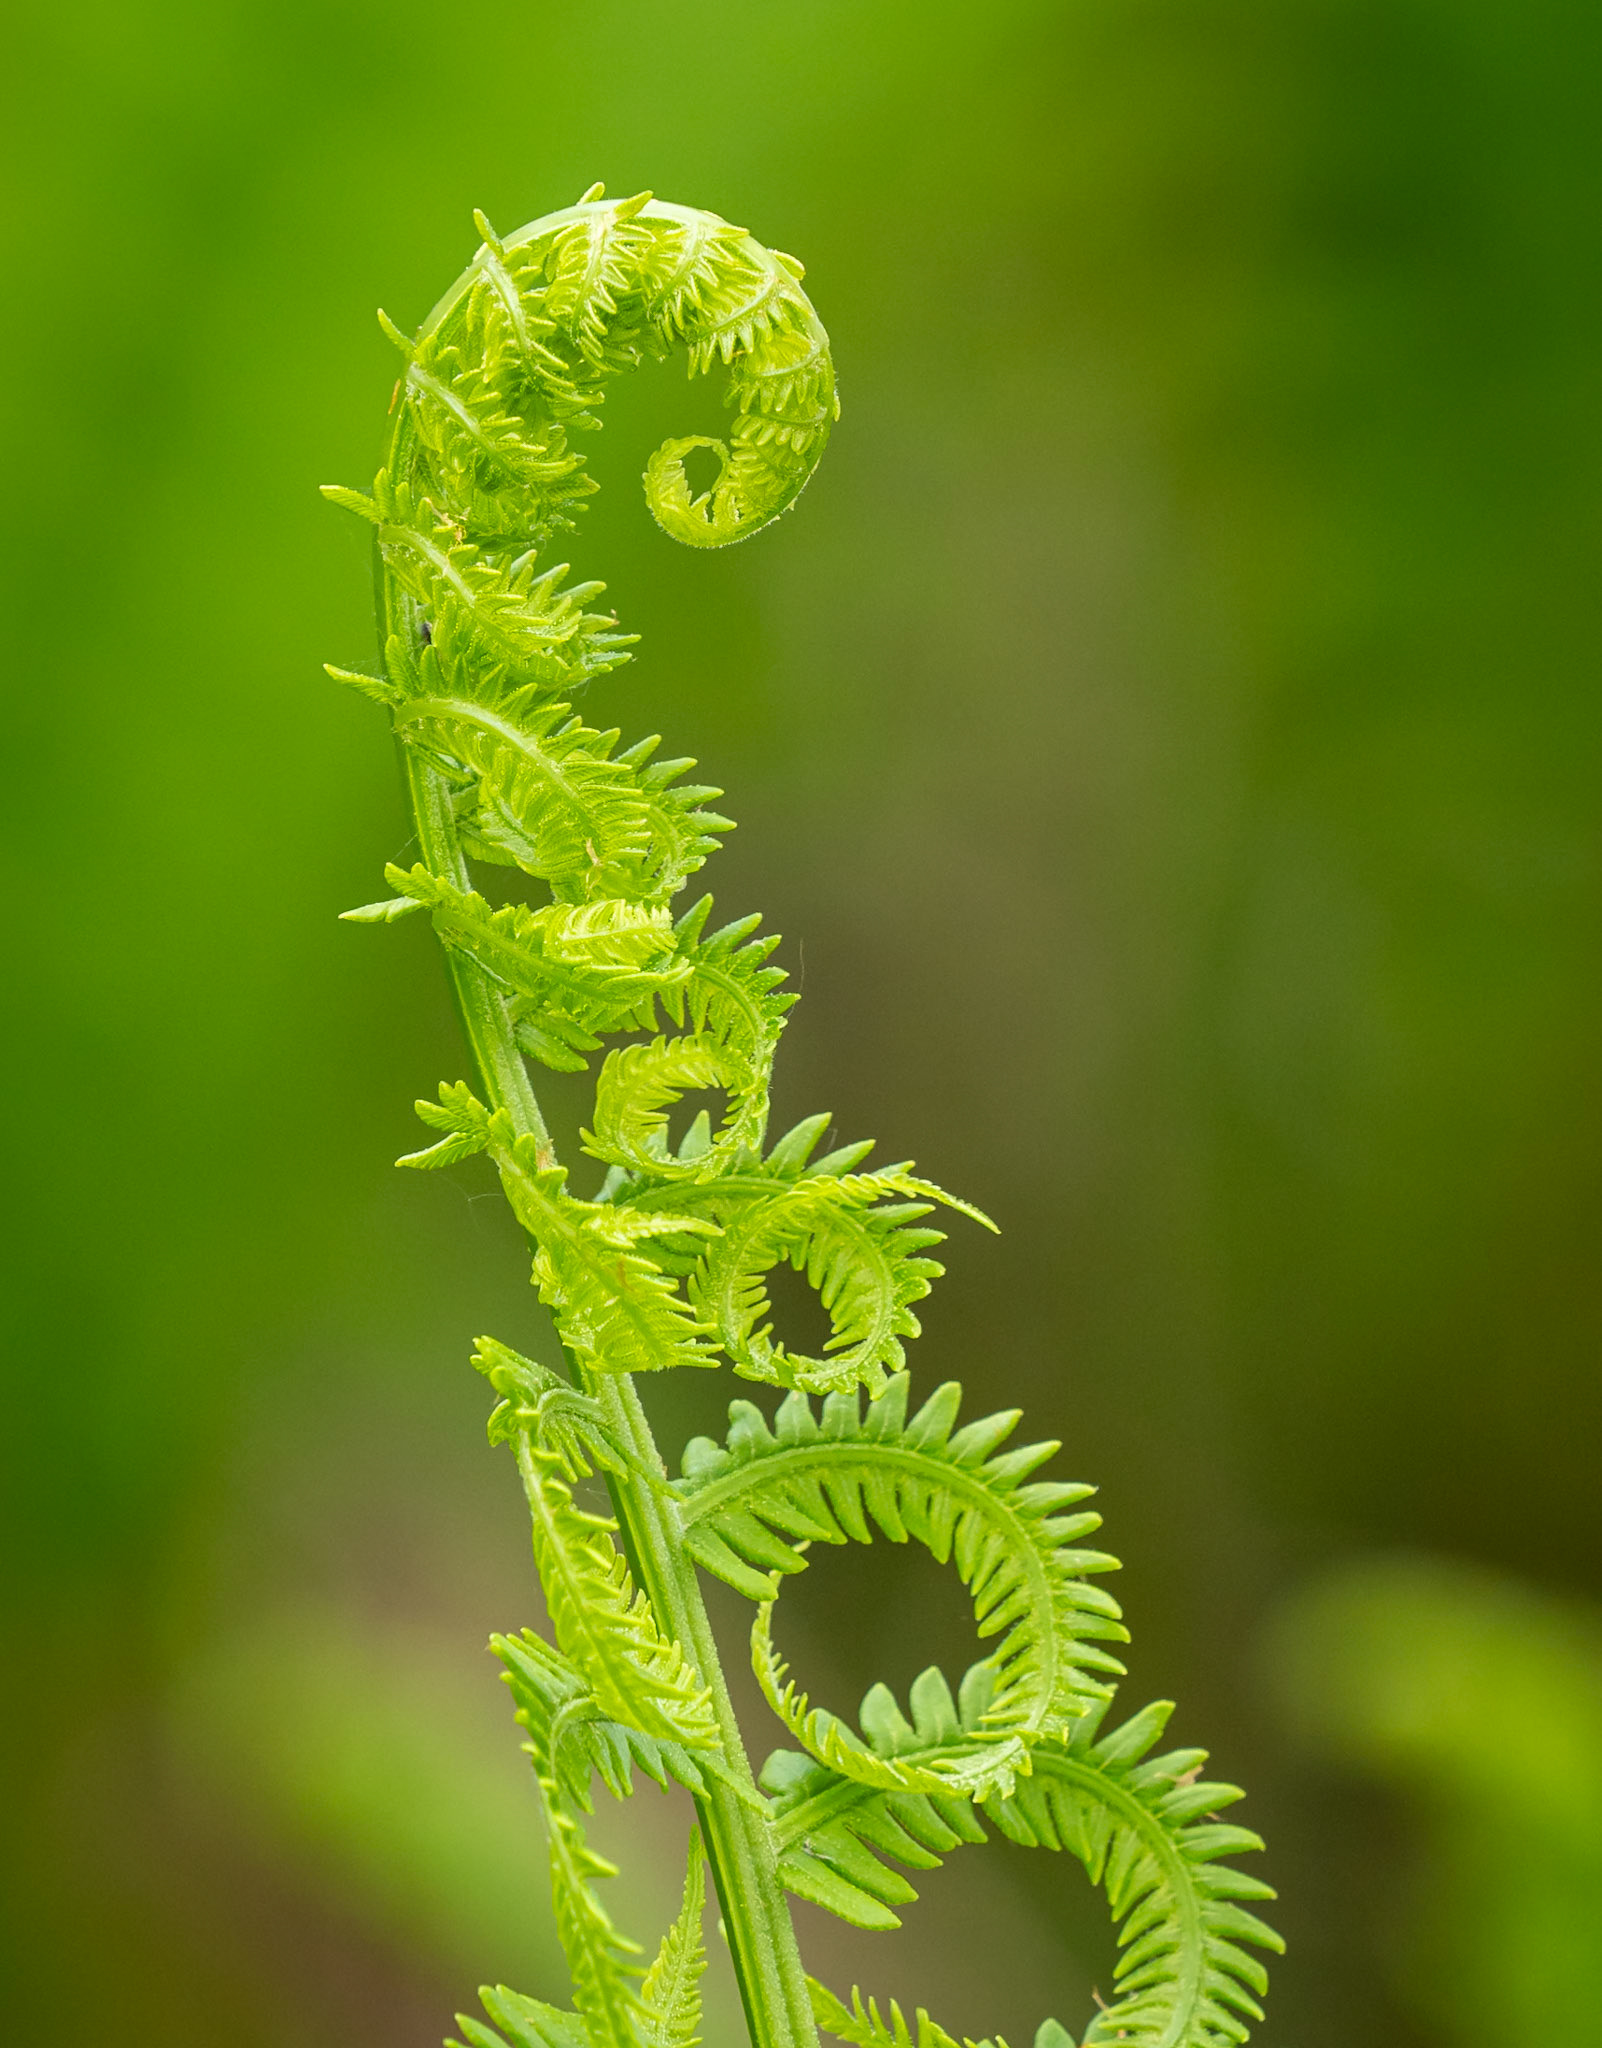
487, 647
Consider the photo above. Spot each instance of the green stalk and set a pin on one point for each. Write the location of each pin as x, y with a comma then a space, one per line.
739, 1846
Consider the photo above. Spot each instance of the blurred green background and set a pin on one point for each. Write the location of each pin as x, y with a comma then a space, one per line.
1167, 734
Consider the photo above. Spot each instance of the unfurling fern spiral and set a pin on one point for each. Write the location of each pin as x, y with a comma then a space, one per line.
488, 648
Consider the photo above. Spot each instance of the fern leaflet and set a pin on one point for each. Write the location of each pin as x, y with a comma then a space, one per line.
671, 1993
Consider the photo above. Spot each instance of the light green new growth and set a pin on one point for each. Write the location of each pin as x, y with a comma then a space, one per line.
487, 647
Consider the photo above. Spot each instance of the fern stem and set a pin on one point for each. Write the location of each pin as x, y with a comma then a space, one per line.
762, 1943
739, 1842
478, 1001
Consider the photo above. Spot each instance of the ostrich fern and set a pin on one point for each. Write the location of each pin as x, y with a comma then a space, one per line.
487, 647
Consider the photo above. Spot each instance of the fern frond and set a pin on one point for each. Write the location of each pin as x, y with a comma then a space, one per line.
438, 663
490, 402
939, 1751
550, 794
833, 1831
614, 1307
601, 1961
861, 2023
522, 619
682, 832
548, 799
607, 1630
498, 298
556, 1417
1145, 1830
671, 1993
487, 645
618, 830
568, 1742
523, 2023
378, 688
505, 295
744, 1180
861, 1251
694, 260
595, 265
472, 431
730, 993
751, 1505
784, 390
464, 1121
553, 1706
545, 1685
584, 968
638, 1086
1142, 1826
390, 911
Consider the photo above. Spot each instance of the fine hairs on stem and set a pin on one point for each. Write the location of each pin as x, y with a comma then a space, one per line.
664, 1263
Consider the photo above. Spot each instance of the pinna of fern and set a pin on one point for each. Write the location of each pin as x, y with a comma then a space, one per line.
489, 652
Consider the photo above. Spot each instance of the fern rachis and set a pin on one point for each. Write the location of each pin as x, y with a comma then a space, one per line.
487, 647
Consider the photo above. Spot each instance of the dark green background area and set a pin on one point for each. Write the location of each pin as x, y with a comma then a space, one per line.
1167, 734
